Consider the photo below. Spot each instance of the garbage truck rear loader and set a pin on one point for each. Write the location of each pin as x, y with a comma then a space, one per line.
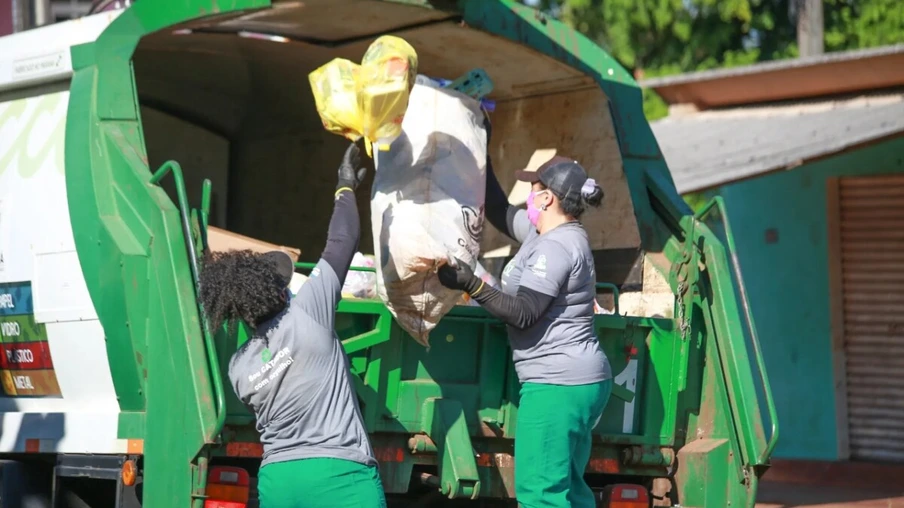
183, 116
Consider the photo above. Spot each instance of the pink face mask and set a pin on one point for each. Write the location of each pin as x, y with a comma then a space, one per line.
533, 213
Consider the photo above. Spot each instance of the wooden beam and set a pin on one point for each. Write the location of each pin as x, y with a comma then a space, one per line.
836, 316
823, 79
842, 474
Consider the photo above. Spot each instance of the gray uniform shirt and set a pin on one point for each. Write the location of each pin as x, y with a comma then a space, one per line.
562, 347
298, 382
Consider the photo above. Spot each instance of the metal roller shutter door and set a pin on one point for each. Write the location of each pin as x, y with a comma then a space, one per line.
872, 273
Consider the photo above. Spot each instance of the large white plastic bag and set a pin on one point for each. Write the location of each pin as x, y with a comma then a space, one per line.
427, 205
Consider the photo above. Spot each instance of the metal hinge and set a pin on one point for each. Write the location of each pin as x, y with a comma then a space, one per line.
685, 273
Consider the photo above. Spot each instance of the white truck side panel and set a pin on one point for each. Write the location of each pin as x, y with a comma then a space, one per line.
42, 55
37, 251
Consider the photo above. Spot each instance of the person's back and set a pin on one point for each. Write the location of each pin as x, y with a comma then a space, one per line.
293, 373
295, 376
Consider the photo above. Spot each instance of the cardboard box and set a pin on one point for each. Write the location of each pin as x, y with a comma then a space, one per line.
221, 240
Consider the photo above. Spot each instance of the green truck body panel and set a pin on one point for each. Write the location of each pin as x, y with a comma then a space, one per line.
686, 391
132, 252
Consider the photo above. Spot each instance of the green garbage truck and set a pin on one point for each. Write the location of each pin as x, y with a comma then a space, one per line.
132, 140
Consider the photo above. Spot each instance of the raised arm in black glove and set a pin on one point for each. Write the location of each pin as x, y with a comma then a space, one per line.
351, 173
345, 225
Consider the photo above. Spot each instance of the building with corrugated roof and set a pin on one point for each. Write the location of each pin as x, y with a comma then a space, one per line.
808, 155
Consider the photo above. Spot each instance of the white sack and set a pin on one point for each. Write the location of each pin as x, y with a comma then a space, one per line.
427, 205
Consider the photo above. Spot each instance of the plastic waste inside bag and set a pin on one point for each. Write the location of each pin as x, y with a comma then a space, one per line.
599, 309
335, 96
487, 279
360, 284
427, 205
475, 83
367, 100
297, 281
388, 71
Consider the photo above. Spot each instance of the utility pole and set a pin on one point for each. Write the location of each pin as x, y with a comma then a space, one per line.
810, 27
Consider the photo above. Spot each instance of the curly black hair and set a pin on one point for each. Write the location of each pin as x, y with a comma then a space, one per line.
239, 285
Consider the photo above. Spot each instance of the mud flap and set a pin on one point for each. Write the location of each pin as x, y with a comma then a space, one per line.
702, 473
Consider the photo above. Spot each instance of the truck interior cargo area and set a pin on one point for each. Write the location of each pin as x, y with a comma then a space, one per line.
229, 98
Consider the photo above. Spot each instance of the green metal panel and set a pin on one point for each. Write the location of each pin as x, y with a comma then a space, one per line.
683, 385
132, 252
445, 422
678, 399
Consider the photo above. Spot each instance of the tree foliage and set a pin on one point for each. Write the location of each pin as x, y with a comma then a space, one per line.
656, 38
662, 37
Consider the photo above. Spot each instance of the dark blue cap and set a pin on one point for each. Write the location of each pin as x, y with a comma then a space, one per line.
282, 265
562, 175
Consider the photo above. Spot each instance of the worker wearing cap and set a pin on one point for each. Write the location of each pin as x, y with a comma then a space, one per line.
293, 372
547, 300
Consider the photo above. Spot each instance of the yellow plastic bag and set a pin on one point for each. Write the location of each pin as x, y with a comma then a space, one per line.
388, 71
369, 100
335, 95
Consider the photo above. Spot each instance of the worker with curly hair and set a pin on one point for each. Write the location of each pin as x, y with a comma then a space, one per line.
293, 373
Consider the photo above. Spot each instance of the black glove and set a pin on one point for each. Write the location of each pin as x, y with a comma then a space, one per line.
458, 276
351, 173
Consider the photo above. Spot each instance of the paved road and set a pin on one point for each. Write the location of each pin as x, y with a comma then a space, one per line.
790, 495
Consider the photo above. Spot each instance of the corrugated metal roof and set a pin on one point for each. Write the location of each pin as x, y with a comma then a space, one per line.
711, 148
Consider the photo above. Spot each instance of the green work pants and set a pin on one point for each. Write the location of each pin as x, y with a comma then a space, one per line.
552, 445
320, 483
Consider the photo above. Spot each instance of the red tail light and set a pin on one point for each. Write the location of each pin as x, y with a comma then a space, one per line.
626, 496
227, 487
